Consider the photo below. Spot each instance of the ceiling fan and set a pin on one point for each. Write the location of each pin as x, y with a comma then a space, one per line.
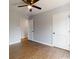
30, 4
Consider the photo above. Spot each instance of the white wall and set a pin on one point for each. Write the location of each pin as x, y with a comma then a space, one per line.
43, 28
18, 26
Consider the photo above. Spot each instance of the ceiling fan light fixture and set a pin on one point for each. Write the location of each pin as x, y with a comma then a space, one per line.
29, 7
30, 4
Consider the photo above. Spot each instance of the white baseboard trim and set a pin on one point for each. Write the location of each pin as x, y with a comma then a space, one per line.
48, 44
14, 42
62, 48
41, 42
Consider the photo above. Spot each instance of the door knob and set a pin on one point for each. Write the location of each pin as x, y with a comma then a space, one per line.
53, 32
32, 31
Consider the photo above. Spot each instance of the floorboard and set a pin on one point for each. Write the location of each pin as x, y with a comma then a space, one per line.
33, 50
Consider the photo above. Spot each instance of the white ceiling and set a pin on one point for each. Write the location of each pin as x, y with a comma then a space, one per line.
44, 4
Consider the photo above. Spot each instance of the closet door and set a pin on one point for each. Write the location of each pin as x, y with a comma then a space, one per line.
61, 30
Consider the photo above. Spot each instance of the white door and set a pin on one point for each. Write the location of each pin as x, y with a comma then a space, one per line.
31, 29
61, 30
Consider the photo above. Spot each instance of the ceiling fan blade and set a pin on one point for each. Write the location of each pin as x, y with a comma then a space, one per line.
22, 6
36, 7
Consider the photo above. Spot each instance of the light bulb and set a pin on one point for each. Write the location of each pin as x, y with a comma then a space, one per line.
29, 6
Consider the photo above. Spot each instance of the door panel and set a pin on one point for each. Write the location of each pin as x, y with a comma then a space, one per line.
61, 30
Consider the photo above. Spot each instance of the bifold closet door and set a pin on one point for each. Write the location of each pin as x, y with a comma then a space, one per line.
61, 30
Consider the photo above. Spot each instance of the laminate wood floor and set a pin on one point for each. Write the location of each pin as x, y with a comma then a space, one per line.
33, 50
